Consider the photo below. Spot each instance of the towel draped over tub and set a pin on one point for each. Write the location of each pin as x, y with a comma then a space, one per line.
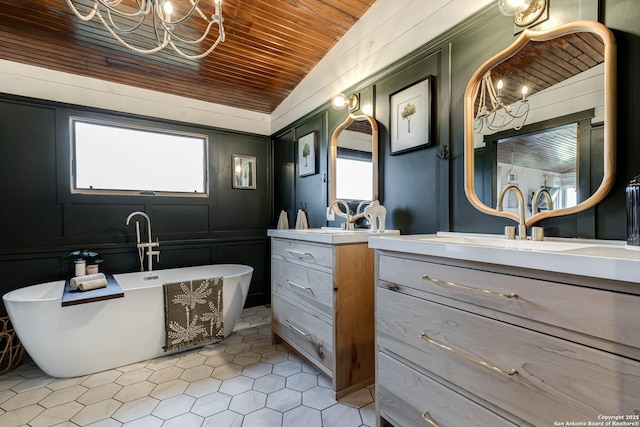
193, 313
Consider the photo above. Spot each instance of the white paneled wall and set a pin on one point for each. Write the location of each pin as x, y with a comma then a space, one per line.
42, 83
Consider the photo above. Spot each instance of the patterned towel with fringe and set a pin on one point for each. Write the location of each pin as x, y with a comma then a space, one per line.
192, 313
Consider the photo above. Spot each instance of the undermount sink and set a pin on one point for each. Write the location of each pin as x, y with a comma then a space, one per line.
500, 242
334, 230
331, 235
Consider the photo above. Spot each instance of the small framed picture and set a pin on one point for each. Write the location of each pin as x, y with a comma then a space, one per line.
410, 121
307, 154
244, 171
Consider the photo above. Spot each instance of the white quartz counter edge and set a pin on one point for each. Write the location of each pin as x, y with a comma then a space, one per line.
335, 238
609, 260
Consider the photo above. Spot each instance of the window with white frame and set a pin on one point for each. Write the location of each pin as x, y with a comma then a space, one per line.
110, 158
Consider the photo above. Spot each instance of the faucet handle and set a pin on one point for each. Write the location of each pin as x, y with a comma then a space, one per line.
537, 233
510, 232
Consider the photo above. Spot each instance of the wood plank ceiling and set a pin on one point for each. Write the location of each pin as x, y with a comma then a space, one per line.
552, 150
270, 47
541, 65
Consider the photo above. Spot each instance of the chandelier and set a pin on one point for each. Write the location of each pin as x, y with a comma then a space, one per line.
125, 17
493, 113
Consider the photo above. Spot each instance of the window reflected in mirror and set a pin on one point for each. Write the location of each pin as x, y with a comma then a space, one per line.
545, 159
542, 156
354, 164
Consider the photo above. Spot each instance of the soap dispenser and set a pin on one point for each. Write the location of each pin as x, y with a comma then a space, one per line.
633, 214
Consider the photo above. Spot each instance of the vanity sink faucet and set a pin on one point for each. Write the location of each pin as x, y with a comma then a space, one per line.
522, 228
149, 245
537, 233
348, 225
536, 198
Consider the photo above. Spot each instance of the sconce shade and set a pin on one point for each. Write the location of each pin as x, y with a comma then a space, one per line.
511, 7
340, 101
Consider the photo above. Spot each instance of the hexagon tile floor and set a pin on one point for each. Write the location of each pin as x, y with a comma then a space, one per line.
243, 381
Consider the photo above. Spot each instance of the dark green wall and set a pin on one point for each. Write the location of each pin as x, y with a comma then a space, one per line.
293, 192
425, 194
41, 221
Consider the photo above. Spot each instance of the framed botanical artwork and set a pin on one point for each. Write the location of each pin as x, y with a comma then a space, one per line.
244, 171
307, 154
410, 122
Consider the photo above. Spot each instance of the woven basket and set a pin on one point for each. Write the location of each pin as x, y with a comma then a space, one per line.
11, 350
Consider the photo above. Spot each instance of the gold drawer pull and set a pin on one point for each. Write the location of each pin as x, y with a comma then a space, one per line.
298, 330
299, 286
427, 417
469, 288
298, 253
469, 357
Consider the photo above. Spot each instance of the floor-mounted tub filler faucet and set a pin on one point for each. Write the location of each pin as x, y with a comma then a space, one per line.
149, 245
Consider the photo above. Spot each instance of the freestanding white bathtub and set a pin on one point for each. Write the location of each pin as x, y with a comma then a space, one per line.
93, 337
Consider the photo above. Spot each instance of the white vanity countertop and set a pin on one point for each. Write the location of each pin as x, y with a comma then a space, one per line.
592, 258
334, 236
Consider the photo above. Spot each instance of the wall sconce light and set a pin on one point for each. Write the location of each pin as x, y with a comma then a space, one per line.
524, 12
340, 101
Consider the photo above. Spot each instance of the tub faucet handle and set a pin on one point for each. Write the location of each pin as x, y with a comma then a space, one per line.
152, 252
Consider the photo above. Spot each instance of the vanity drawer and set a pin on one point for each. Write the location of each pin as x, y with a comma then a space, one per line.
407, 398
303, 284
555, 380
304, 330
599, 313
301, 251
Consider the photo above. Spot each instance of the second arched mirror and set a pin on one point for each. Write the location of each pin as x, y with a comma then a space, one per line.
354, 162
536, 115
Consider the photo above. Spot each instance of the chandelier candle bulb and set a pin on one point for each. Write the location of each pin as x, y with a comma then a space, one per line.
493, 113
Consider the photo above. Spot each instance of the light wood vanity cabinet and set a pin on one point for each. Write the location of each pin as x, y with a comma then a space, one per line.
491, 345
322, 306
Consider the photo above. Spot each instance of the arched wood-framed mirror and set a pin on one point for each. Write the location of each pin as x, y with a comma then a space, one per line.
565, 60
354, 144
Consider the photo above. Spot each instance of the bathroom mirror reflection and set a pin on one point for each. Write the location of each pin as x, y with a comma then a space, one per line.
539, 115
520, 161
354, 161
545, 156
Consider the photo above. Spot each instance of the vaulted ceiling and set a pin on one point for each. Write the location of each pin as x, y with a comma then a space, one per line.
270, 47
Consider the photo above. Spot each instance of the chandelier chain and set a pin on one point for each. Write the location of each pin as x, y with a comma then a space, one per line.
500, 115
163, 27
